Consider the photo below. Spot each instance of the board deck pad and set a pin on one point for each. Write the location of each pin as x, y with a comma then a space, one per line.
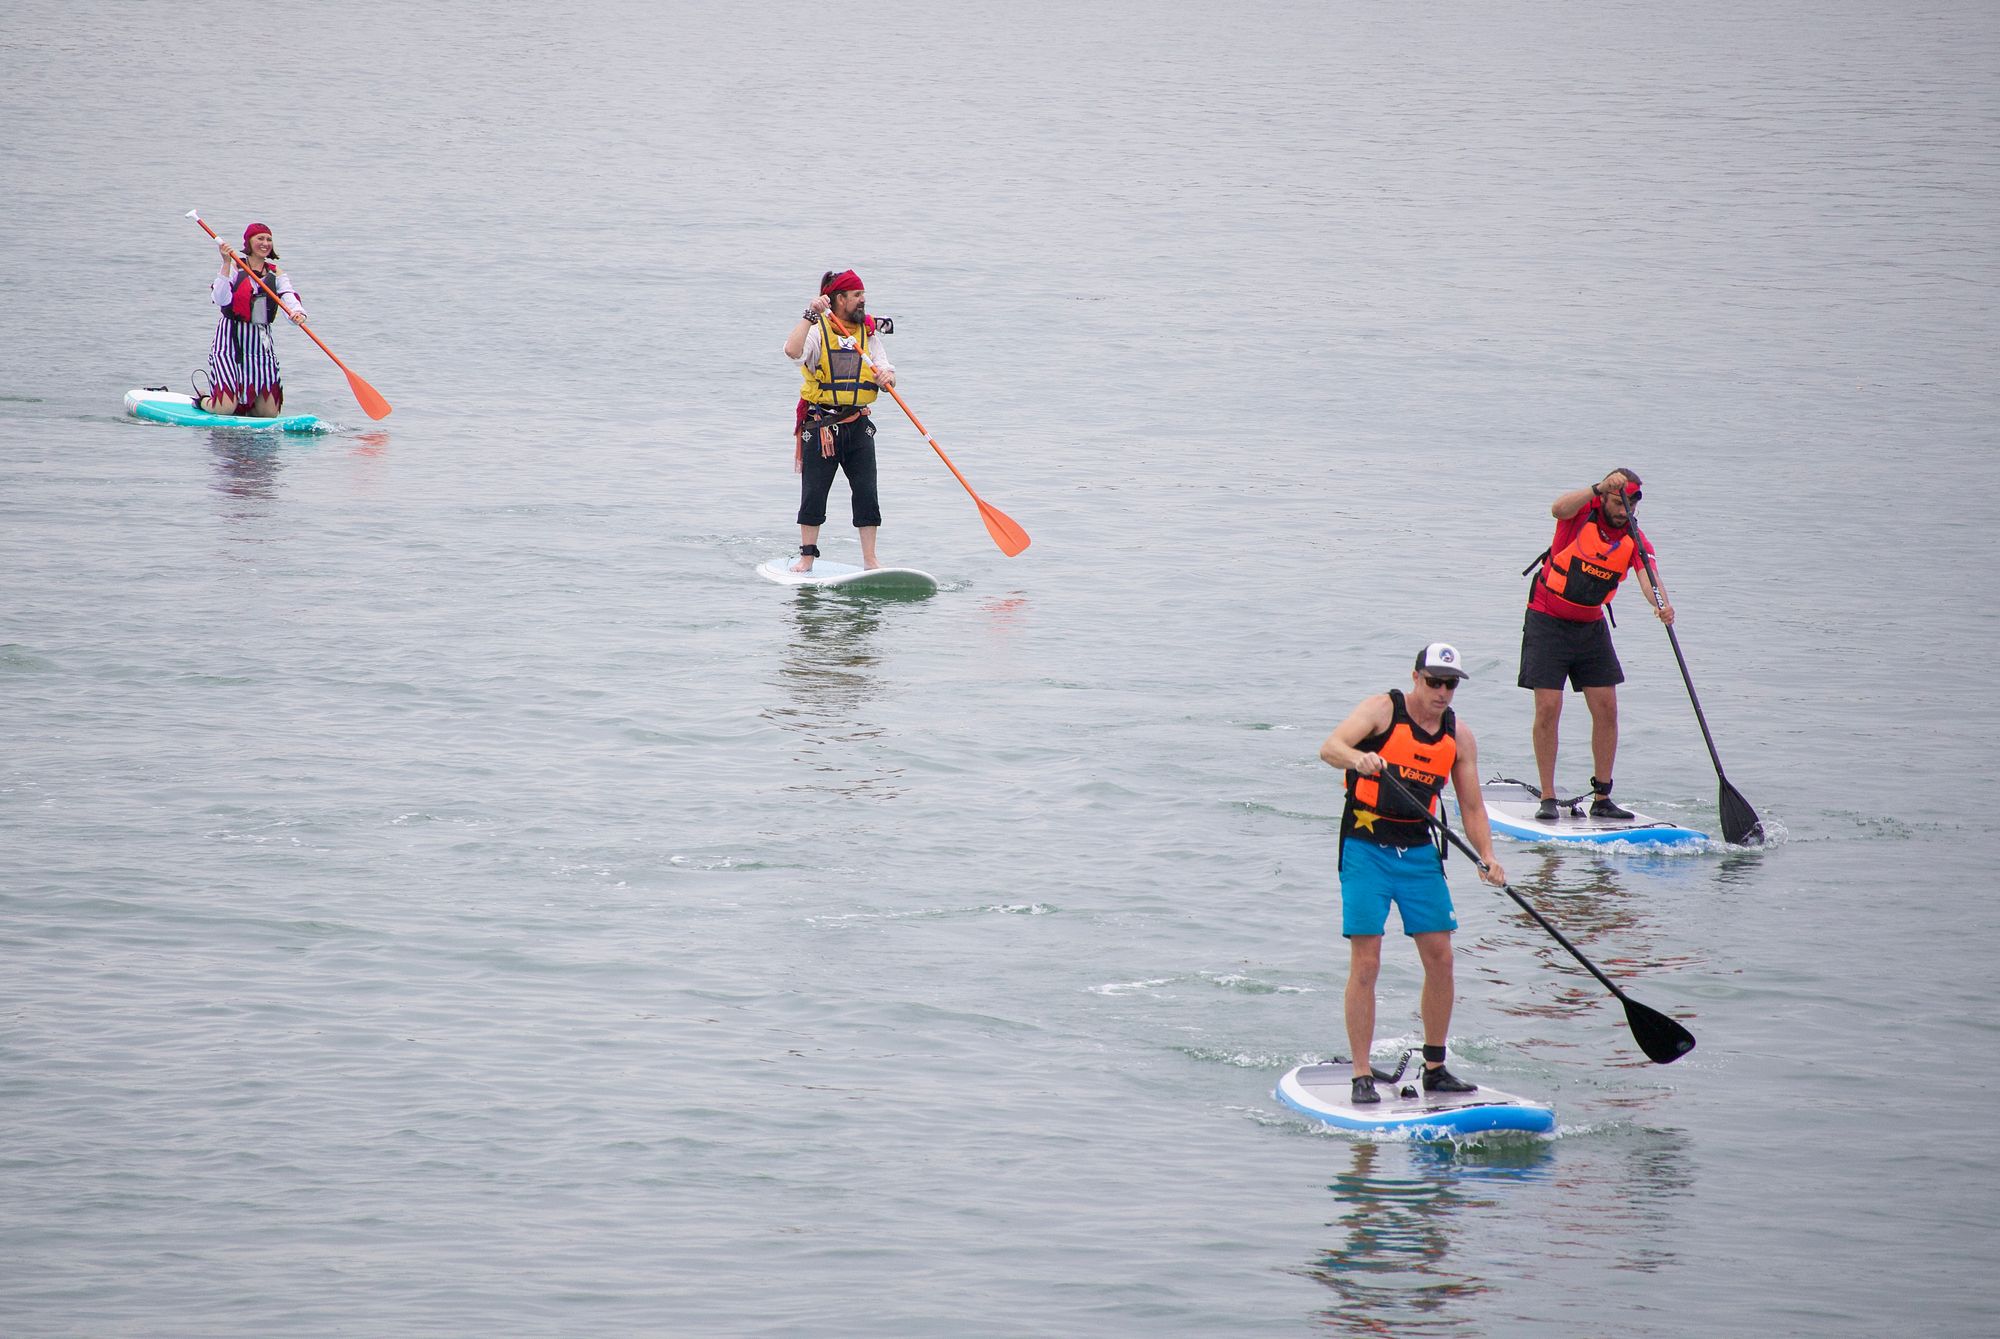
161, 406
846, 576
1323, 1092
1511, 804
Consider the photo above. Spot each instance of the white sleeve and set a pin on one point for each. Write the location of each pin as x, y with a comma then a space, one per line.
809, 355
288, 297
221, 289
878, 353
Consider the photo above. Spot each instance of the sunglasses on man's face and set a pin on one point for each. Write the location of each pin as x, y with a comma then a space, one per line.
1441, 683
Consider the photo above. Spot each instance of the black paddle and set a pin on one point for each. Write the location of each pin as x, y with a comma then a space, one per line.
1740, 824
1660, 1037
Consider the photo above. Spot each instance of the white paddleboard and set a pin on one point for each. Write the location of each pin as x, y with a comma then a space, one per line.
1323, 1092
846, 576
1511, 805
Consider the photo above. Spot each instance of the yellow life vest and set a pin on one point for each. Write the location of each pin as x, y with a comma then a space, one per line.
840, 378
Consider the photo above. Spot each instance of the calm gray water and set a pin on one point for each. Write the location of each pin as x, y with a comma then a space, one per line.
445, 893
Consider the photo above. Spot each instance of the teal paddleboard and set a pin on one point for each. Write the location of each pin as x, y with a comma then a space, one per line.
171, 407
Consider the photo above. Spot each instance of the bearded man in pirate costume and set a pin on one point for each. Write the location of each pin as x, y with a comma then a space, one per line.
843, 366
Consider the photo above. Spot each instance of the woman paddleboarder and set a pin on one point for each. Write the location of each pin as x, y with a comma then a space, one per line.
242, 360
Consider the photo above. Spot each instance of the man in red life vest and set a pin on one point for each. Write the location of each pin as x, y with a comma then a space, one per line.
1388, 853
1565, 636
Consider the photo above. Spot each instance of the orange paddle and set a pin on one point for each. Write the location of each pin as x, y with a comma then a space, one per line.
372, 403
1010, 537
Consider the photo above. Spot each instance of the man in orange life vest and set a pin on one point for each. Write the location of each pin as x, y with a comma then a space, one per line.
1388, 853
1565, 636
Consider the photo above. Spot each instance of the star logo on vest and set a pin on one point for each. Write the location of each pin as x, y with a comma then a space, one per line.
1364, 820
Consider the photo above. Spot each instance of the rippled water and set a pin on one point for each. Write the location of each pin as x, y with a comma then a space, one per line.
445, 892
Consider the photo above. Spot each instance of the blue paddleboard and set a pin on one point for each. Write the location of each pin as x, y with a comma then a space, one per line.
1510, 807
1323, 1092
171, 407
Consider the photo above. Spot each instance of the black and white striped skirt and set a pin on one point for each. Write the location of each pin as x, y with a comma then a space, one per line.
242, 360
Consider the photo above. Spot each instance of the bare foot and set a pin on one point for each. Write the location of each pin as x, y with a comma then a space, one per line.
804, 564
870, 565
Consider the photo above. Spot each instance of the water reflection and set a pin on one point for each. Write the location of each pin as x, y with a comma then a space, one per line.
1402, 1207
1631, 1209
830, 673
247, 465
1736, 867
1585, 895
1428, 1231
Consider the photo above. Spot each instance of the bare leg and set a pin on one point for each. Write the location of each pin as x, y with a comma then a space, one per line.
219, 402
266, 406
1548, 731
1363, 966
867, 533
1434, 948
1603, 704
808, 538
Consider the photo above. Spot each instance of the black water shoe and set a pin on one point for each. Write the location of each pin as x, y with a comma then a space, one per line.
1545, 812
1364, 1091
1604, 806
1442, 1080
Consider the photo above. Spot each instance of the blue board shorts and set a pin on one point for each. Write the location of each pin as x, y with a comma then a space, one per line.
1373, 875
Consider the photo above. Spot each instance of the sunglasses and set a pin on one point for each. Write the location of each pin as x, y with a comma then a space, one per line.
1441, 683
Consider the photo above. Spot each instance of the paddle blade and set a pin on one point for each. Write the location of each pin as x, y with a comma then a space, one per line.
372, 403
1010, 537
1660, 1037
1740, 824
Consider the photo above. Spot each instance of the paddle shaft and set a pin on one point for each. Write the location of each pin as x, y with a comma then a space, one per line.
927, 435
1740, 823
1660, 1037
1396, 783
1659, 601
366, 394
1007, 534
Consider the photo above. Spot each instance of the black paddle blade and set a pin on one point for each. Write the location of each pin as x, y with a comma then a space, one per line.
1660, 1037
1740, 824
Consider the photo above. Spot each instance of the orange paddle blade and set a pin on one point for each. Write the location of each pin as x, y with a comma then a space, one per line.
372, 403
1010, 537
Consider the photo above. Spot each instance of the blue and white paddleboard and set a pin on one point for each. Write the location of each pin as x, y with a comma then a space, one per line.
1510, 807
1322, 1092
846, 576
172, 407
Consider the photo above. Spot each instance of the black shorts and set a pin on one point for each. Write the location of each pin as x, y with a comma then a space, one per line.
854, 455
1554, 649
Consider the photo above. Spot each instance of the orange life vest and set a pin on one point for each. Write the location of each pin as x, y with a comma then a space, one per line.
1423, 764
1588, 570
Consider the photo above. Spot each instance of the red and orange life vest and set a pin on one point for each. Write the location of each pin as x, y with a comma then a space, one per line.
1589, 568
244, 295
